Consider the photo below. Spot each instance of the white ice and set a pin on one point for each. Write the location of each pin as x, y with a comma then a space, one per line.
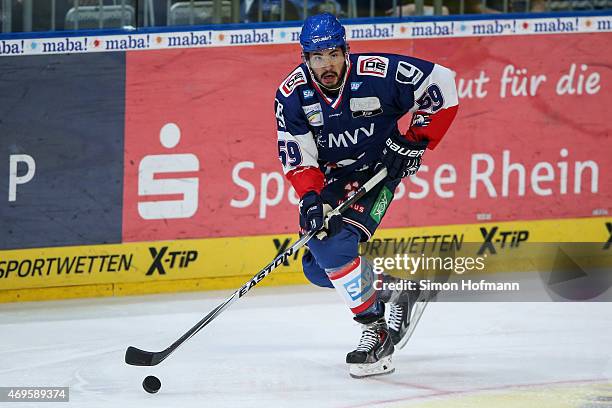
285, 347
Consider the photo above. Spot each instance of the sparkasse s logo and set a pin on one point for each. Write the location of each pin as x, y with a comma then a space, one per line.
162, 197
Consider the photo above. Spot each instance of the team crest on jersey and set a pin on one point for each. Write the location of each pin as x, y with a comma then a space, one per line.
314, 114
421, 120
372, 65
407, 73
295, 79
308, 93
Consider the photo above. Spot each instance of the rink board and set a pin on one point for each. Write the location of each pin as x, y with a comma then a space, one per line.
223, 263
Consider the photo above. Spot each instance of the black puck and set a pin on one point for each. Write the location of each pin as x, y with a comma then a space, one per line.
151, 384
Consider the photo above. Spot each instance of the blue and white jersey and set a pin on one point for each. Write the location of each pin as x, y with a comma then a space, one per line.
348, 132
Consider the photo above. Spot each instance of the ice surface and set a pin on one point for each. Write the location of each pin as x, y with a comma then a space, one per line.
282, 347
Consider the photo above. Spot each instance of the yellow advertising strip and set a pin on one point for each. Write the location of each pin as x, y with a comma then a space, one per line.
561, 230
223, 263
140, 263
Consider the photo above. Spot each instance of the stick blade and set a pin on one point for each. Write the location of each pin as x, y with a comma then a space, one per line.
137, 357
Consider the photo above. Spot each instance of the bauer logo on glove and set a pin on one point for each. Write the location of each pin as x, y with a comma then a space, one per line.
404, 151
402, 157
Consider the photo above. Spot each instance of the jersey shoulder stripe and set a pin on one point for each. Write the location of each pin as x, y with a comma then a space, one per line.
295, 79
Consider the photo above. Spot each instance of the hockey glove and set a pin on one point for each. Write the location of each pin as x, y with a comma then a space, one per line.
401, 156
312, 216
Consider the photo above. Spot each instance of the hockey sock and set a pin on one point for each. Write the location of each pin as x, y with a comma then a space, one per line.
354, 283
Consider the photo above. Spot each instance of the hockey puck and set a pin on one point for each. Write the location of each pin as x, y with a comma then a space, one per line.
151, 384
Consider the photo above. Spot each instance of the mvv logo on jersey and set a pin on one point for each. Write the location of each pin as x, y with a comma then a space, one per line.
163, 197
347, 138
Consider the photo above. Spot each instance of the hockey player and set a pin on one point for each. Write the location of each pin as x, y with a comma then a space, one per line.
337, 119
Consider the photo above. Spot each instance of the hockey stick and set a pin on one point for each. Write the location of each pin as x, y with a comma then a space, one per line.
135, 356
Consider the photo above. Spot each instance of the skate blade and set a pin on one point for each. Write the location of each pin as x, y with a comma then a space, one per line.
381, 367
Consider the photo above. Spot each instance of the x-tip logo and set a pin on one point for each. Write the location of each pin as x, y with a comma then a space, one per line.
163, 259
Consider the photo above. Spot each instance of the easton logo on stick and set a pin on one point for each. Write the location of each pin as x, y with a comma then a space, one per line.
278, 261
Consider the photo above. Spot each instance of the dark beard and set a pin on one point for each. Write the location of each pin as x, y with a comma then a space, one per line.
333, 93
330, 93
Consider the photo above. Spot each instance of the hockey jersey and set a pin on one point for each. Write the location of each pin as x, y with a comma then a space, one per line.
322, 138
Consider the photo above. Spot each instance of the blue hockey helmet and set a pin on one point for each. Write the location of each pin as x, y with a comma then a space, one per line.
322, 31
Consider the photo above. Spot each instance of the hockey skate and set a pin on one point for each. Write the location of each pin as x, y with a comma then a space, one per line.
402, 306
399, 315
373, 354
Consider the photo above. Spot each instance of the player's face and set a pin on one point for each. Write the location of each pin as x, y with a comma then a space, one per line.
327, 66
